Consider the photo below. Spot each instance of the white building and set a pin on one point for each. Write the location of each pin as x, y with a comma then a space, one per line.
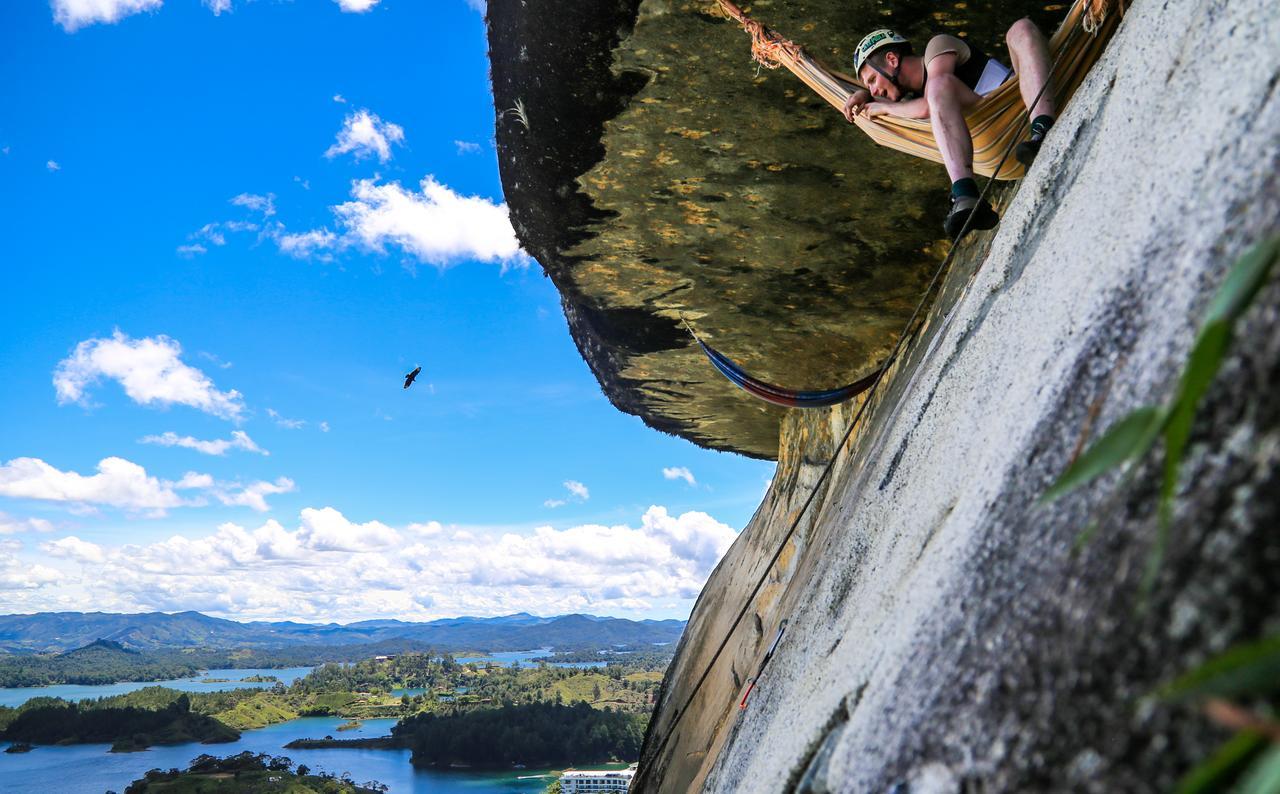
579, 782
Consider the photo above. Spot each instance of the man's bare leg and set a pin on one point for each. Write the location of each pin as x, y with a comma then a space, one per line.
1030, 53
948, 99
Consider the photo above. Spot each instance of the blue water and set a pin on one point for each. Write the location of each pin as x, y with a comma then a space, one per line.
91, 769
16, 696
523, 659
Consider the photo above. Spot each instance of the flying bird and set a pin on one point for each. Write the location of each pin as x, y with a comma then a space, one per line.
409, 379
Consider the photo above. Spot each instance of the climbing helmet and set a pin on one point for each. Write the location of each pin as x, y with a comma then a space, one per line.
873, 41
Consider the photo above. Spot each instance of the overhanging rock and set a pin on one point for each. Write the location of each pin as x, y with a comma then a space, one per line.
653, 170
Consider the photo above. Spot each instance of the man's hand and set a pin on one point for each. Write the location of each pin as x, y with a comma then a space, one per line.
855, 103
874, 109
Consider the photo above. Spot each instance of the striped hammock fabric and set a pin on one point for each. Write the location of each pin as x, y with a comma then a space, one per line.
994, 122
778, 395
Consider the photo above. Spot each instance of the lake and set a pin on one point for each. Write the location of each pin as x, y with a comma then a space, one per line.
16, 696
523, 659
90, 769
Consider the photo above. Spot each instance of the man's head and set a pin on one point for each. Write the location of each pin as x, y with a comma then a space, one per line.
878, 61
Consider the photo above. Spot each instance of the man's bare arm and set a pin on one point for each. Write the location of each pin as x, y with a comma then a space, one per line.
916, 108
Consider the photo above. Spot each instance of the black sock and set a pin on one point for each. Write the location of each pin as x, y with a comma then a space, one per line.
964, 187
1040, 125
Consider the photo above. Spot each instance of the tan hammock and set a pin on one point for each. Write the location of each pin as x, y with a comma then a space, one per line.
994, 121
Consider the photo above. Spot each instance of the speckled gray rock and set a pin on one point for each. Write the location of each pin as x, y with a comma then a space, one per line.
942, 635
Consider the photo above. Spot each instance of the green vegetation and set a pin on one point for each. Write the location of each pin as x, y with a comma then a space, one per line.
1240, 690
1132, 437
261, 774
128, 728
359, 691
534, 734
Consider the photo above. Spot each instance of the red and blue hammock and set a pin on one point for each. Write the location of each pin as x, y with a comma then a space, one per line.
780, 395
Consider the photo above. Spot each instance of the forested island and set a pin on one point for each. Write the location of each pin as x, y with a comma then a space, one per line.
126, 728
260, 773
587, 714
541, 734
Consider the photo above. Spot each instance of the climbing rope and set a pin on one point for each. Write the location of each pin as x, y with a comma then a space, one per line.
857, 418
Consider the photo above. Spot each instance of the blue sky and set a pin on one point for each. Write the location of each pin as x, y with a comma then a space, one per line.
241, 229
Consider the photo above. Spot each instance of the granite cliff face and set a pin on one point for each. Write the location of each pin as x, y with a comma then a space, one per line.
941, 635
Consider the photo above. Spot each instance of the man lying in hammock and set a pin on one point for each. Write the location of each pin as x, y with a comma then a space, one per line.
948, 80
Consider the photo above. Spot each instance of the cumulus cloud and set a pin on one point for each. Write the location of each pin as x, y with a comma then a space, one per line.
679, 473
307, 245
117, 483
363, 134
73, 548
253, 495
331, 567
217, 6
75, 14
150, 370
52, 165
577, 491
356, 6
239, 440
436, 225
126, 485
466, 147
256, 203
11, 526
192, 249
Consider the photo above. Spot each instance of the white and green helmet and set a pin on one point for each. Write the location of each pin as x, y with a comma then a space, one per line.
873, 41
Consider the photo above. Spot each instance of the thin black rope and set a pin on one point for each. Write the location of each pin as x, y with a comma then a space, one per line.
893, 355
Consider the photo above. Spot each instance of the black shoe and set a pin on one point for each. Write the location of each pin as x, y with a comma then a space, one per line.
1028, 149
961, 208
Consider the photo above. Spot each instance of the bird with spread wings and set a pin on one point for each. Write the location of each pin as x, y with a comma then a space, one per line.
409, 379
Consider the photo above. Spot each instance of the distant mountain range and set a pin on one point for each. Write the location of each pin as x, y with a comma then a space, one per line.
46, 632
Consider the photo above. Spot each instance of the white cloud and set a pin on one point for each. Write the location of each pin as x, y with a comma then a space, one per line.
437, 225
11, 526
476, 5
324, 427
239, 440
288, 424
52, 166
356, 6
117, 483
363, 134
466, 147
577, 491
194, 249
306, 245
256, 203
679, 473
74, 548
75, 14
150, 370
126, 485
340, 99
252, 495
331, 567
217, 6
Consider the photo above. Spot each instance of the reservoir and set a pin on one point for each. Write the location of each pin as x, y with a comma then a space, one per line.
16, 696
91, 769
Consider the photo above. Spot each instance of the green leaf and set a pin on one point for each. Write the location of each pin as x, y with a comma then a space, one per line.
1243, 281
1249, 669
1210, 774
1127, 439
1264, 776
